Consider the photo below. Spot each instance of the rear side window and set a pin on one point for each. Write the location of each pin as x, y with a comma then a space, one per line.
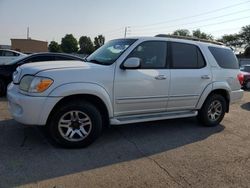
186, 56
224, 57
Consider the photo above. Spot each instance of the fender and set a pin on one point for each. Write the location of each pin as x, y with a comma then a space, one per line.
211, 87
68, 89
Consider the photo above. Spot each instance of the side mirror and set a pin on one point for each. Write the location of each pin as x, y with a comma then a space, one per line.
131, 63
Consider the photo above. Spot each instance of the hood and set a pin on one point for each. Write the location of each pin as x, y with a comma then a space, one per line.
34, 68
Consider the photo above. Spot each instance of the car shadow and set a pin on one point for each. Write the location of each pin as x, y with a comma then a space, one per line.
3, 99
26, 156
246, 106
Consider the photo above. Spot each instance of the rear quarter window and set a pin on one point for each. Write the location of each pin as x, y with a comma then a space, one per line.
224, 57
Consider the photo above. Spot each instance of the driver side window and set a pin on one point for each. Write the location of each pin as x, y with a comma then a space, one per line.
153, 54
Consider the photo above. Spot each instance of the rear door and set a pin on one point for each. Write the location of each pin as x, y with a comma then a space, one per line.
189, 76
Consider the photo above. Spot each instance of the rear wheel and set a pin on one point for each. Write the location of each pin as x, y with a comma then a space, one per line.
75, 124
3, 88
213, 110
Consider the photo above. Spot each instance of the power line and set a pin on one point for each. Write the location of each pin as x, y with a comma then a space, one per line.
196, 15
227, 29
207, 19
113, 30
226, 21
121, 29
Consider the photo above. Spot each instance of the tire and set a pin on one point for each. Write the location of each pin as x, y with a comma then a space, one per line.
247, 85
213, 110
3, 88
75, 124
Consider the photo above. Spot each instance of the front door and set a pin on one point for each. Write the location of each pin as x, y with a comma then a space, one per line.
143, 90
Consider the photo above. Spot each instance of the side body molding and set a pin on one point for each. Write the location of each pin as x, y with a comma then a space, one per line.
211, 87
84, 88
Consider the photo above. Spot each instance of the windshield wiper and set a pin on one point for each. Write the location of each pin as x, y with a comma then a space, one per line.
96, 61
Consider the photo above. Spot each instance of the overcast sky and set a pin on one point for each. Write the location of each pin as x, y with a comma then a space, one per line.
52, 19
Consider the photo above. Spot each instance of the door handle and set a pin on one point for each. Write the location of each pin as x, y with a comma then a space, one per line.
205, 77
161, 77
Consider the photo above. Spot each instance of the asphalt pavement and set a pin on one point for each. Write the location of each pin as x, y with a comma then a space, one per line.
171, 153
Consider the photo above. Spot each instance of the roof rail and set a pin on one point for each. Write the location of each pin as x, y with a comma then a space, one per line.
189, 38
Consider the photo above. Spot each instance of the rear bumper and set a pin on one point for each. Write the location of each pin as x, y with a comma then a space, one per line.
236, 96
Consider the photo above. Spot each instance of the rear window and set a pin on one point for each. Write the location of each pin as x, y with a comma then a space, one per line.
224, 57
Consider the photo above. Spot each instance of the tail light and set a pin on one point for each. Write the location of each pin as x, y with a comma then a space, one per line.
240, 77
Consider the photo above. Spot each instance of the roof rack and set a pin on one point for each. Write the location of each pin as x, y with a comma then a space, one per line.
189, 38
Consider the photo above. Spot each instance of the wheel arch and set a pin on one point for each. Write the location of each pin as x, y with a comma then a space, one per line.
223, 93
215, 88
93, 99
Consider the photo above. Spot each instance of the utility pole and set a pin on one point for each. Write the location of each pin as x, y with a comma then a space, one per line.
28, 32
126, 31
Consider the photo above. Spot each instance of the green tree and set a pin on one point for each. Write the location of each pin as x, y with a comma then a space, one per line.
54, 47
247, 52
201, 35
69, 44
99, 41
245, 34
86, 45
232, 40
182, 32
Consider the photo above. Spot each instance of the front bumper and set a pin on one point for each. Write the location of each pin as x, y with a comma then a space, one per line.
30, 110
236, 96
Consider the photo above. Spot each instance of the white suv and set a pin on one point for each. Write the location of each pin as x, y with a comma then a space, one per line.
126, 81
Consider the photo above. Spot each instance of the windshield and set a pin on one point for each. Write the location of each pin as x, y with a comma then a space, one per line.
110, 52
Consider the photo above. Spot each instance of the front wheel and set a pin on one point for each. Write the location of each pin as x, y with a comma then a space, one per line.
75, 125
213, 110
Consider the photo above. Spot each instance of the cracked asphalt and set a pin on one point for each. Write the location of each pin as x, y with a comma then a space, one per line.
171, 153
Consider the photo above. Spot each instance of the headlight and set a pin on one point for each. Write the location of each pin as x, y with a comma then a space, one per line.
34, 84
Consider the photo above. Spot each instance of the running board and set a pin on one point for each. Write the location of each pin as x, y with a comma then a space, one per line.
120, 120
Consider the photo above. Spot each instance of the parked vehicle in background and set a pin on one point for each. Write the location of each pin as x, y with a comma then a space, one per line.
244, 76
244, 61
126, 81
7, 70
7, 56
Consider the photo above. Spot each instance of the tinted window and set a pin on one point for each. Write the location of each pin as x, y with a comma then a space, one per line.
39, 58
152, 54
16, 54
186, 56
8, 53
224, 57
